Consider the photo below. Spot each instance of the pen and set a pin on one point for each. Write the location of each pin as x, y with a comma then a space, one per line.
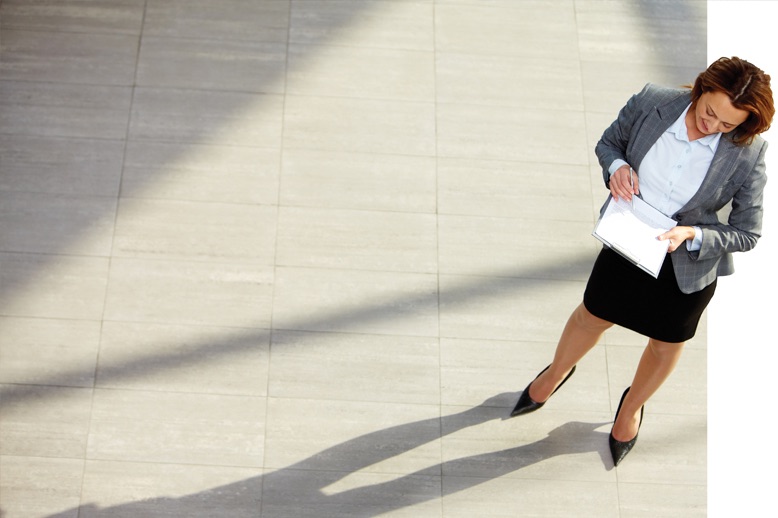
632, 186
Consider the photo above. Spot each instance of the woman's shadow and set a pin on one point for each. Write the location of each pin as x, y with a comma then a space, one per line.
299, 490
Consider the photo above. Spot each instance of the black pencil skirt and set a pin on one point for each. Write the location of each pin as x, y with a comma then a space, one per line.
623, 294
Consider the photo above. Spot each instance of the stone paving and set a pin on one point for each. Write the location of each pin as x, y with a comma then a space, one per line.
281, 258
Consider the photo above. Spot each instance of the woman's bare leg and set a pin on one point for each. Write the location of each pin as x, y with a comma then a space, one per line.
582, 332
658, 361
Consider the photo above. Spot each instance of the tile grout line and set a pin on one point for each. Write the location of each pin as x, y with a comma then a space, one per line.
110, 260
271, 334
441, 485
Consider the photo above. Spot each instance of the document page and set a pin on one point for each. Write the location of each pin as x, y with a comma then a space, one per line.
631, 228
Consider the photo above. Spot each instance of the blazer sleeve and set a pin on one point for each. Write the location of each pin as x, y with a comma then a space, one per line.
615, 140
744, 223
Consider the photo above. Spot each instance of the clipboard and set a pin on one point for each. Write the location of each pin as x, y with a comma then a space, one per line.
631, 229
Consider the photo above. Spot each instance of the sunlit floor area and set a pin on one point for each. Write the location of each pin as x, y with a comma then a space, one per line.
299, 258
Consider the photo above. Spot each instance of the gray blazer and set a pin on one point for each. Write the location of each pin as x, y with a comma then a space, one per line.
736, 176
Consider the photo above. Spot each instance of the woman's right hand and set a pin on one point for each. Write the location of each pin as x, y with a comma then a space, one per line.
620, 184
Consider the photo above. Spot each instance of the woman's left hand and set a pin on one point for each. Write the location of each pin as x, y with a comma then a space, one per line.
676, 236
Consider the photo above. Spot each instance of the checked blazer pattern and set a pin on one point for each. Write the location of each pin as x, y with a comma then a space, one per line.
735, 182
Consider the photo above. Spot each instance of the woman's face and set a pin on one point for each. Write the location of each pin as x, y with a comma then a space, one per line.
714, 113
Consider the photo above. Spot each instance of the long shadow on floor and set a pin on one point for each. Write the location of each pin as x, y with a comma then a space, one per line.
514, 284
299, 490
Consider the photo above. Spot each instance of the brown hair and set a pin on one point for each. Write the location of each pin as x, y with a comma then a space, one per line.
747, 87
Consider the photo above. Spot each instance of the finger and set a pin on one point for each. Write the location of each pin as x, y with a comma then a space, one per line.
620, 185
631, 183
626, 188
618, 191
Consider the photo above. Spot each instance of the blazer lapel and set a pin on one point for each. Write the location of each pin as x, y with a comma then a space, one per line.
721, 168
657, 123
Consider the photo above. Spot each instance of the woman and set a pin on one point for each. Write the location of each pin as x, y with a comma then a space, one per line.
689, 153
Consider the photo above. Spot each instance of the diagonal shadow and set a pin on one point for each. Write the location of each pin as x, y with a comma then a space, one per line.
53, 235
68, 231
165, 358
300, 489
58, 238
179, 116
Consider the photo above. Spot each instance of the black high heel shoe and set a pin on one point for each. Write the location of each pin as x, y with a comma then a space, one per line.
525, 405
619, 449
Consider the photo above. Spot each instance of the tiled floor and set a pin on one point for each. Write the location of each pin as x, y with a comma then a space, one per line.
297, 258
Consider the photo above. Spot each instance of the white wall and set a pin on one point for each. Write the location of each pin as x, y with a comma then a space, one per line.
742, 341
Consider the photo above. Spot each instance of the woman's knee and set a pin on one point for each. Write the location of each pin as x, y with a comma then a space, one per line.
585, 319
662, 349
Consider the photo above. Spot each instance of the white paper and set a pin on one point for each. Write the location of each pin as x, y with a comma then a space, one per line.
631, 229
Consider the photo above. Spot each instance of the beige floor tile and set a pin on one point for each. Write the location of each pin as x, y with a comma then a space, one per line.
352, 367
488, 372
195, 230
361, 360
60, 166
358, 181
596, 124
206, 117
556, 192
127, 490
356, 301
243, 66
357, 239
538, 29
506, 80
45, 421
65, 57
352, 436
406, 24
671, 449
48, 351
178, 428
96, 16
608, 86
617, 335
344, 71
628, 11
684, 392
173, 358
503, 133
228, 20
57, 223
359, 125
606, 35
181, 171
546, 445
33, 486
64, 110
504, 497
510, 4
189, 292
474, 371
529, 248
53, 286
622, 363
662, 500
504, 308
291, 493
